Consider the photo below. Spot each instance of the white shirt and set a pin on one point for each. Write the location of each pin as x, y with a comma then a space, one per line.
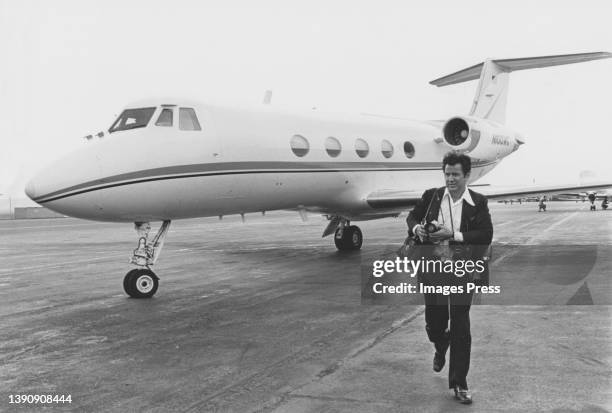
456, 207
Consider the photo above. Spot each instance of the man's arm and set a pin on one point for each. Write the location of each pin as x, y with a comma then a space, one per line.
480, 231
418, 213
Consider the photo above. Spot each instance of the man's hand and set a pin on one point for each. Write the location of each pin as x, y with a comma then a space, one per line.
441, 235
420, 232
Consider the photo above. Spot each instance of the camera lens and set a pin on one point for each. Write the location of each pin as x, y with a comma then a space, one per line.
430, 227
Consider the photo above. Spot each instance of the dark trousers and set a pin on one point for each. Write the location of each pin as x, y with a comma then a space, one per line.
438, 308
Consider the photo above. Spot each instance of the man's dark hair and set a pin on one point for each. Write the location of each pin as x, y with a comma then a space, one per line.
453, 158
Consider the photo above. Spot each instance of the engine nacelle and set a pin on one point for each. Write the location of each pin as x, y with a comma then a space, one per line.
480, 138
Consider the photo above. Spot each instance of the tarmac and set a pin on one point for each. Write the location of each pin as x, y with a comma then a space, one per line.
266, 316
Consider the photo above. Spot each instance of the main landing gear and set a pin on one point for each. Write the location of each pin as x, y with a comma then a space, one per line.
142, 282
347, 237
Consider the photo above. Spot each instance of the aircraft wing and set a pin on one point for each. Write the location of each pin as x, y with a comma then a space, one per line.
503, 192
386, 199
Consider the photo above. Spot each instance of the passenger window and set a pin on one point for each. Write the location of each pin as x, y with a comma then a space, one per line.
386, 149
362, 148
333, 146
188, 119
408, 149
165, 118
299, 145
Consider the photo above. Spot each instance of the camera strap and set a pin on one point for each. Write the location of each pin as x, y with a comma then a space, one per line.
450, 212
424, 220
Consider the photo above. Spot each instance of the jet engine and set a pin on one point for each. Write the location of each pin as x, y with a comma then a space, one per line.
480, 138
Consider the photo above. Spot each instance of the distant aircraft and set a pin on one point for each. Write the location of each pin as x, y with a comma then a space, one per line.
171, 159
592, 196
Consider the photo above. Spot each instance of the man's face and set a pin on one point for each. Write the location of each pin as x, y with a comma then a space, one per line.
456, 181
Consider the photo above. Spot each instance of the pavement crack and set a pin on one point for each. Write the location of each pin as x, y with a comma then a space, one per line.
334, 399
280, 399
371, 343
592, 361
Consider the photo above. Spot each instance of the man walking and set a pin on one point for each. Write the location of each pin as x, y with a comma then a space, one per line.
465, 230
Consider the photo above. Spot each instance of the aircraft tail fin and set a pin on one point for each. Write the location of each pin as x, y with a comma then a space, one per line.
492, 91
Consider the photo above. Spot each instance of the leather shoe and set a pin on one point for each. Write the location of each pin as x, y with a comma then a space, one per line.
463, 395
438, 362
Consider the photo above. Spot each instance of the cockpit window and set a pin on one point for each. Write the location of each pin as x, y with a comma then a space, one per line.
165, 118
188, 119
132, 119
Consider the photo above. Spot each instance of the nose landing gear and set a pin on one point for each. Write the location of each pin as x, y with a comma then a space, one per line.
142, 281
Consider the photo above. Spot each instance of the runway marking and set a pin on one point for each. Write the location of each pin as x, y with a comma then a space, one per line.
504, 256
520, 227
532, 239
553, 226
522, 220
502, 224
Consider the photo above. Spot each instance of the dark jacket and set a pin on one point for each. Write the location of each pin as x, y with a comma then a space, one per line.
476, 225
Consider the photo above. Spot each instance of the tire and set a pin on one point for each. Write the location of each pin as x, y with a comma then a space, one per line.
140, 283
126, 282
339, 241
351, 240
356, 238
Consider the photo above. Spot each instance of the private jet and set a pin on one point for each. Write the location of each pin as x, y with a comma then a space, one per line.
168, 159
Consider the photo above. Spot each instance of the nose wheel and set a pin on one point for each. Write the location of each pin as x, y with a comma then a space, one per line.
140, 283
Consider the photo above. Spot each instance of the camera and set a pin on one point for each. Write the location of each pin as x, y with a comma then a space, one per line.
431, 227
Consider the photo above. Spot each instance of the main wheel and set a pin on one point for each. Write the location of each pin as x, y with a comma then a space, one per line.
350, 240
140, 283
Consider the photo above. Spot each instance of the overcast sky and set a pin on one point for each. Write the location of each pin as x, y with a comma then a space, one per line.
68, 67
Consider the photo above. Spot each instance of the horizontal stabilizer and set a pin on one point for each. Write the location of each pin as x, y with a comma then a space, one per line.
492, 91
511, 65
